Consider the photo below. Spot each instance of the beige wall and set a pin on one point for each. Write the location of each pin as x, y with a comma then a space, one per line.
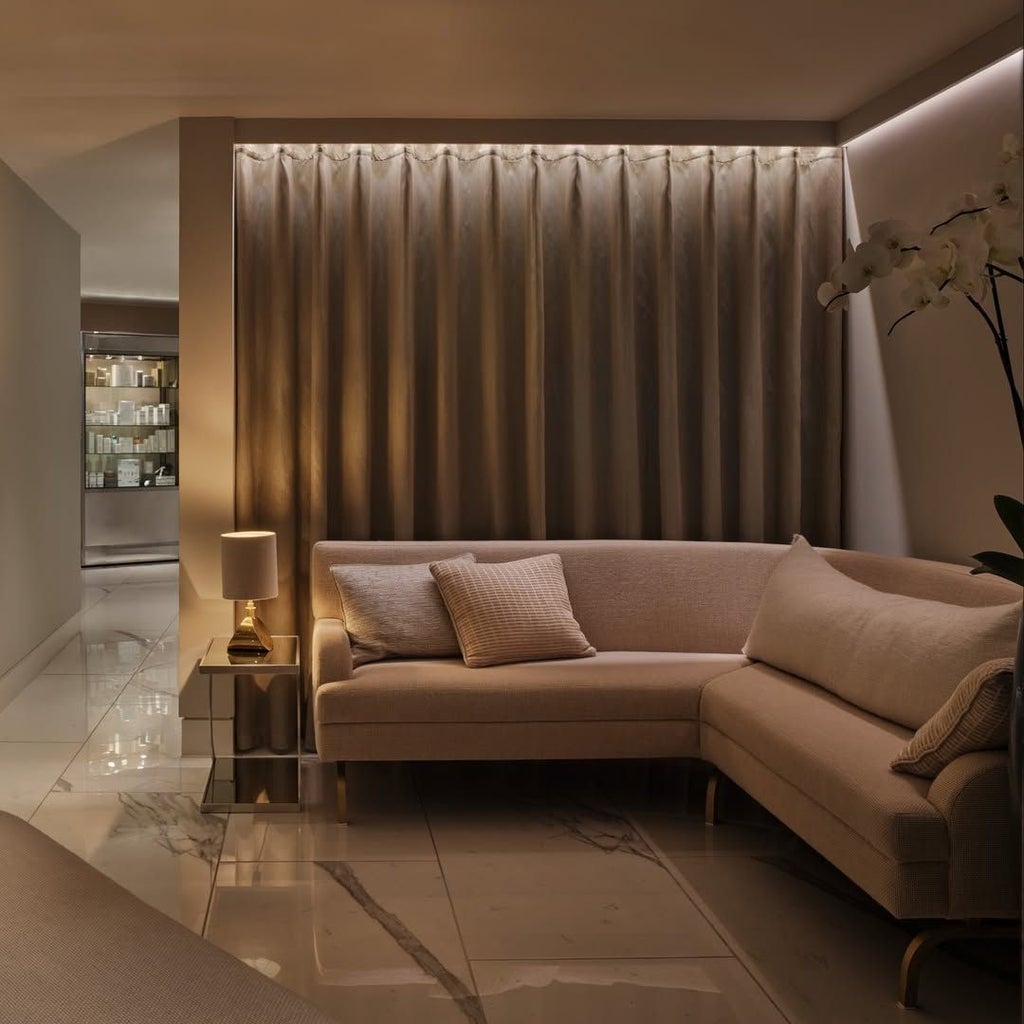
40, 421
207, 396
930, 435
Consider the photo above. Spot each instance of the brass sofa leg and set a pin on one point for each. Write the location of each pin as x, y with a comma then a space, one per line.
924, 942
711, 799
342, 795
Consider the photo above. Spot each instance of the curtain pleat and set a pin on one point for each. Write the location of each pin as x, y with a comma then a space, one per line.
516, 341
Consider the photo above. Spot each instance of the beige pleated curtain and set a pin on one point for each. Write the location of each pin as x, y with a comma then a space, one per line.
534, 341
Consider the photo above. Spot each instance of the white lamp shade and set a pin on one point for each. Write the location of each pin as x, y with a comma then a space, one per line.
248, 565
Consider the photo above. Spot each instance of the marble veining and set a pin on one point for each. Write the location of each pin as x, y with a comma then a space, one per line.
602, 830
467, 1002
180, 827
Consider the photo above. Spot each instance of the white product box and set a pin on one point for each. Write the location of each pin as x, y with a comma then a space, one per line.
128, 473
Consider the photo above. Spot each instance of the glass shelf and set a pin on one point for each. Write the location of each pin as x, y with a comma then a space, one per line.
136, 487
129, 432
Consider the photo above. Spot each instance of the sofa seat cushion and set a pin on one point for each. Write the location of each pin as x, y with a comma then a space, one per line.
834, 753
612, 685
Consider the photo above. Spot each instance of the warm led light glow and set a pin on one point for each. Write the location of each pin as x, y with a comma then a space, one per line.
1000, 67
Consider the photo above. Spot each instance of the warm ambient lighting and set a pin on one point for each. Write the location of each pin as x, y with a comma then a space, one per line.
248, 564
993, 70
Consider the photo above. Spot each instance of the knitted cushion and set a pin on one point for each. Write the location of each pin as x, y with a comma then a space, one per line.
511, 611
976, 717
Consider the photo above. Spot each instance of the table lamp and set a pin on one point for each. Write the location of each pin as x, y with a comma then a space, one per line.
248, 565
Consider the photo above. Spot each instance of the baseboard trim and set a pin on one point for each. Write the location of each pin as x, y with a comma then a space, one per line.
21, 673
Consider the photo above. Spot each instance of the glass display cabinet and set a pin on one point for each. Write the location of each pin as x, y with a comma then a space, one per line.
129, 448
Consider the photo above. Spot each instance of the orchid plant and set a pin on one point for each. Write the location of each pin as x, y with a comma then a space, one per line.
969, 253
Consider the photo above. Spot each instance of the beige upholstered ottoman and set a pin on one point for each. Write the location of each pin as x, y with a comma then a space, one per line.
75, 946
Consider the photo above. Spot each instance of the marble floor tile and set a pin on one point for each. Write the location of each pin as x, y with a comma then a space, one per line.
702, 991
507, 825
387, 822
826, 953
293, 837
60, 708
365, 941
123, 612
92, 592
163, 654
589, 904
28, 771
674, 834
136, 748
160, 678
157, 845
103, 652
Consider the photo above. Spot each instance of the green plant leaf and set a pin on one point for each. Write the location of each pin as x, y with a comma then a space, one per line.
999, 563
1011, 511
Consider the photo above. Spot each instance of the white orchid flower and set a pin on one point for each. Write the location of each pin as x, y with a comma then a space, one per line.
967, 275
1004, 241
1005, 193
921, 292
899, 239
938, 256
827, 292
868, 261
1012, 148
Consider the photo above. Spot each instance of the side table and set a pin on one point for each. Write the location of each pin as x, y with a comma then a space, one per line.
258, 781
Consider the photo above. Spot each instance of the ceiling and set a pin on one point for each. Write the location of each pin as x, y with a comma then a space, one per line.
89, 93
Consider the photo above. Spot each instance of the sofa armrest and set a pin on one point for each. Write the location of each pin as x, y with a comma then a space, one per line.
973, 795
332, 652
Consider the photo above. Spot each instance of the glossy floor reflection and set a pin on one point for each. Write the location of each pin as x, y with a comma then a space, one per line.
557, 893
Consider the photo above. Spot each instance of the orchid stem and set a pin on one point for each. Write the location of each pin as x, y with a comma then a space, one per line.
1003, 348
1004, 273
961, 213
909, 312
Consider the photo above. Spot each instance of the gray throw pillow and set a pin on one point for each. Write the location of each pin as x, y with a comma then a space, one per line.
395, 611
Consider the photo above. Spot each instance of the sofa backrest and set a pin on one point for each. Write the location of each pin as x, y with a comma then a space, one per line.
695, 596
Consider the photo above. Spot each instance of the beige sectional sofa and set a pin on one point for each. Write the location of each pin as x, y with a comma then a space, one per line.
669, 620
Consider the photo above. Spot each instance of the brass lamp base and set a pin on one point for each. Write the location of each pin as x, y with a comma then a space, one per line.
251, 634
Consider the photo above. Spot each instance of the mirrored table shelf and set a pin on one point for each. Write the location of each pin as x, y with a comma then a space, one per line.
243, 781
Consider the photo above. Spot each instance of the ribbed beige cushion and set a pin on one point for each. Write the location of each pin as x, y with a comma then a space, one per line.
898, 657
613, 685
394, 611
976, 717
511, 611
835, 754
